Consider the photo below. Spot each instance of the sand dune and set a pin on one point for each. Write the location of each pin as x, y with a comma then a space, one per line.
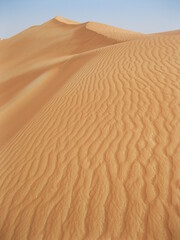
175, 32
89, 133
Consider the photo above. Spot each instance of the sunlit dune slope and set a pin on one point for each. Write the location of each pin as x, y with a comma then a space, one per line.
89, 134
120, 35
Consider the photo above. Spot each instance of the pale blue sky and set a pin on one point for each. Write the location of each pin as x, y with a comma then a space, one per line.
145, 16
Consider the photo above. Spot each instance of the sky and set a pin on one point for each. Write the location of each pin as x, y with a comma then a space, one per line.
146, 16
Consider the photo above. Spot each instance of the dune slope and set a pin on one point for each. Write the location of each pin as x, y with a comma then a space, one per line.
89, 134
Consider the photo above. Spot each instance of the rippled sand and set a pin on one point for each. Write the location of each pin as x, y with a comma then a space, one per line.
90, 146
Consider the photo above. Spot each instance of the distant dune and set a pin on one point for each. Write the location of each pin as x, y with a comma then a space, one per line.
90, 145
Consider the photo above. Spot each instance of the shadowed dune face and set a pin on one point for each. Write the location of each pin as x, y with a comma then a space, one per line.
89, 134
50, 40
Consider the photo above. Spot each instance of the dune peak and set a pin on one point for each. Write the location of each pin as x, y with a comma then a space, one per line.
65, 20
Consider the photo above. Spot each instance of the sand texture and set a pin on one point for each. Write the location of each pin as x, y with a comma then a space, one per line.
90, 134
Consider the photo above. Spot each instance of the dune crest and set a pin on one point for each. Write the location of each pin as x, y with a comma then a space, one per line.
89, 134
65, 20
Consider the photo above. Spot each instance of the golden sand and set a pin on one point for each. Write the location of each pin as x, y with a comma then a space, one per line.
90, 146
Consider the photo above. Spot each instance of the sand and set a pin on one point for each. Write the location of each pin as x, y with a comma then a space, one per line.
90, 132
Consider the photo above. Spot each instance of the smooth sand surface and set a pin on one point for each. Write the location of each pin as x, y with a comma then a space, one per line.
90, 135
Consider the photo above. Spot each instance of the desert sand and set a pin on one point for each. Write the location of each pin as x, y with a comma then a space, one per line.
89, 123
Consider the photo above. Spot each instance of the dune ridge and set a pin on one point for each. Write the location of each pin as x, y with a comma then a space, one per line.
89, 133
